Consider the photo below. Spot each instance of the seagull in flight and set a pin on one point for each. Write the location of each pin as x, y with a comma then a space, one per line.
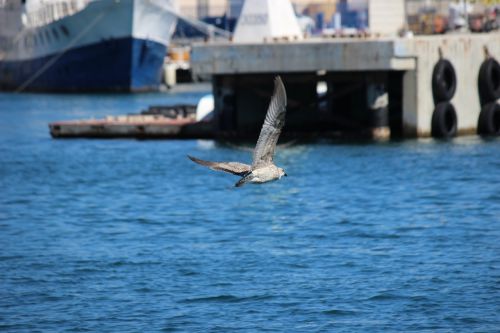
262, 169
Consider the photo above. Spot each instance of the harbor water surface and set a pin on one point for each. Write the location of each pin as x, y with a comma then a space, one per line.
131, 236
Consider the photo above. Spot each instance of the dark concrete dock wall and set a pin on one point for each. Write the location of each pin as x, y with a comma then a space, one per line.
374, 85
241, 102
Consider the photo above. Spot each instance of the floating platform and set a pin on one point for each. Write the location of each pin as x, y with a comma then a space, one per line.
133, 126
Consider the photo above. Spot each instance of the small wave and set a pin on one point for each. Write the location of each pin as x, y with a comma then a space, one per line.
85, 270
298, 265
53, 298
187, 272
464, 320
436, 279
410, 228
121, 263
226, 299
348, 264
7, 258
147, 221
339, 312
391, 296
144, 290
362, 234
176, 323
21, 201
470, 320
386, 297
419, 298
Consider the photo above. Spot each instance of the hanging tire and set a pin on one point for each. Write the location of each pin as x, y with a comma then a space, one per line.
444, 121
444, 81
489, 81
489, 120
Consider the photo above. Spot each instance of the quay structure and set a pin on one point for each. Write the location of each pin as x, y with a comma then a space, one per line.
380, 86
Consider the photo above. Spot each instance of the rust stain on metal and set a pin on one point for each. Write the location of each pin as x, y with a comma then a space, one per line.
128, 126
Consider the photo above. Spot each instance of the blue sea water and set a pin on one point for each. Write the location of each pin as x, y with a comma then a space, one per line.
131, 236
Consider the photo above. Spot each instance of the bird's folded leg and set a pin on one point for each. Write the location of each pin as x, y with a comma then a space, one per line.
245, 179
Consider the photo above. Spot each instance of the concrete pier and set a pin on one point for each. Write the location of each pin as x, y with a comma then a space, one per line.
374, 86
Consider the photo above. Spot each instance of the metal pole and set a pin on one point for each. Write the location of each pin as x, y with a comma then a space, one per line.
466, 15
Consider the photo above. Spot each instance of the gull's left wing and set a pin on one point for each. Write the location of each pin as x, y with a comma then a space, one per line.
271, 130
236, 168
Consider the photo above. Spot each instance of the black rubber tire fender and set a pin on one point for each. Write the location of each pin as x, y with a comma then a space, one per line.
444, 81
444, 121
489, 120
489, 81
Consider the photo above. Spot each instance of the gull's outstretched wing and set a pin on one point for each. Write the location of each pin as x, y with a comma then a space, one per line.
235, 168
270, 132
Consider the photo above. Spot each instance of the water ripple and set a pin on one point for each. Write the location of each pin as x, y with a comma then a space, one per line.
227, 299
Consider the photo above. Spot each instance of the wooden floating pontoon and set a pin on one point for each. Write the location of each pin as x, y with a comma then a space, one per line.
132, 126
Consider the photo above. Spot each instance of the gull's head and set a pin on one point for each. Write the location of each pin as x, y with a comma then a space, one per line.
281, 173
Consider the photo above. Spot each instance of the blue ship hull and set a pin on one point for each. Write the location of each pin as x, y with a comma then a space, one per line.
125, 64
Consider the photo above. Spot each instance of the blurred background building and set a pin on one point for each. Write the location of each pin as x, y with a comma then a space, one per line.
377, 16
31, 30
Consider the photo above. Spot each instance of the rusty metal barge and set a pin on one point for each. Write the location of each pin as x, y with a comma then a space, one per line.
156, 123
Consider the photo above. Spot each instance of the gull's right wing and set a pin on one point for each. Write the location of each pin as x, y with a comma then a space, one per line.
273, 123
235, 168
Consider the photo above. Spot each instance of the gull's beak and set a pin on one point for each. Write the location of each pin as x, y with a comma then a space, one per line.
286, 175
